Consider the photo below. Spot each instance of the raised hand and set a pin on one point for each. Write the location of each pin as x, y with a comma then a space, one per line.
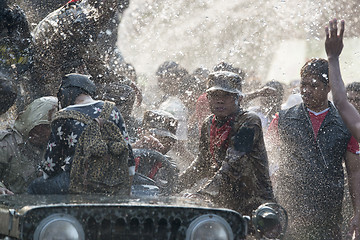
334, 42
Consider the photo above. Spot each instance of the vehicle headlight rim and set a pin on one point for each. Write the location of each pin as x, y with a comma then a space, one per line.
47, 221
209, 218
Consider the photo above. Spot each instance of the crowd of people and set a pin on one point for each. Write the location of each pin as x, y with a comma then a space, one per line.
206, 137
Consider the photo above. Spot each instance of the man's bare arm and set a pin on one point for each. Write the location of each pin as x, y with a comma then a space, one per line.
353, 170
333, 46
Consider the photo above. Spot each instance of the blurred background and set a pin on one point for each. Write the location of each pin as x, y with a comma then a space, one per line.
269, 39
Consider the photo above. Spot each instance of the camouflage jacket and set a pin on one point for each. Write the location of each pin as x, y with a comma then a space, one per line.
238, 176
18, 161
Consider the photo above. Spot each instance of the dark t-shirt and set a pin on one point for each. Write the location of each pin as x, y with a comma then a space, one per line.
65, 134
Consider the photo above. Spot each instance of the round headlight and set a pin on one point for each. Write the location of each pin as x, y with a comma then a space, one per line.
209, 227
59, 226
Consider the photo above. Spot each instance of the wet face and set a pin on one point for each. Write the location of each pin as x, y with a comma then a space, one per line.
39, 135
354, 99
222, 103
314, 93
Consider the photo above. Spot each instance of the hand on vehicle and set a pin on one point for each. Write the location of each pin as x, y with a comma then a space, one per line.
5, 191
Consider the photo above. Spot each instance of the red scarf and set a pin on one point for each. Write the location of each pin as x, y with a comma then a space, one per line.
219, 137
72, 1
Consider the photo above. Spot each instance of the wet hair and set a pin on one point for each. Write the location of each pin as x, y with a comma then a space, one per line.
201, 72
170, 69
224, 66
278, 86
128, 70
199, 79
165, 67
317, 68
171, 75
354, 86
123, 96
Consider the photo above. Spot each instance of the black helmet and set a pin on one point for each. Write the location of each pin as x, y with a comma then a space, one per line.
80, 81
72, 85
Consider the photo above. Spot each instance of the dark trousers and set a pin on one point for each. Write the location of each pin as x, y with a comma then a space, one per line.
54, 185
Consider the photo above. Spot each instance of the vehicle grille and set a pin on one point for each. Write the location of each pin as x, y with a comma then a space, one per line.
131, 222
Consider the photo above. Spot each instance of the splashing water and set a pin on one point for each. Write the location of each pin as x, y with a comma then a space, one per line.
247, 34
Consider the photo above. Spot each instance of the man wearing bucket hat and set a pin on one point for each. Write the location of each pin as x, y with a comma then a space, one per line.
162, 125
232, 150
22, 147
158, 138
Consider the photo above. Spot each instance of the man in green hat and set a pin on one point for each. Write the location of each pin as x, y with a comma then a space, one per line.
22, 146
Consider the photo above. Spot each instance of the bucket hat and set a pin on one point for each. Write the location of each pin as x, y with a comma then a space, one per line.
224, 81
160, 123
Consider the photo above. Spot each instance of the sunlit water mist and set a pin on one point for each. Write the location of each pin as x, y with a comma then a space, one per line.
245, 33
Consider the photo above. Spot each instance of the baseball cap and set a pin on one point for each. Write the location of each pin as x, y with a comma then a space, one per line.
224, 81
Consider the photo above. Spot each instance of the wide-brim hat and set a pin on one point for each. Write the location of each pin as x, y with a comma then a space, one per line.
224, 81
161, 123
40, 111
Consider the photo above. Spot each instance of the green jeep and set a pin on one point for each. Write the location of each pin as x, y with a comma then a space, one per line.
92, 217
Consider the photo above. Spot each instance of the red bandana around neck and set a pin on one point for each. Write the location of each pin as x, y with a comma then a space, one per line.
219, 136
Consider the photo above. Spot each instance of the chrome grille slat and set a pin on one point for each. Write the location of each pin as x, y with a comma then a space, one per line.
135, 222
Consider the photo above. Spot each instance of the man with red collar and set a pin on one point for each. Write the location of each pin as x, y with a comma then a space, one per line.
232, 152
313, 141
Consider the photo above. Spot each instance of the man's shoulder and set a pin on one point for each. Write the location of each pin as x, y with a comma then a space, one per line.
81, 107
292, 110
247, 118
81, 112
